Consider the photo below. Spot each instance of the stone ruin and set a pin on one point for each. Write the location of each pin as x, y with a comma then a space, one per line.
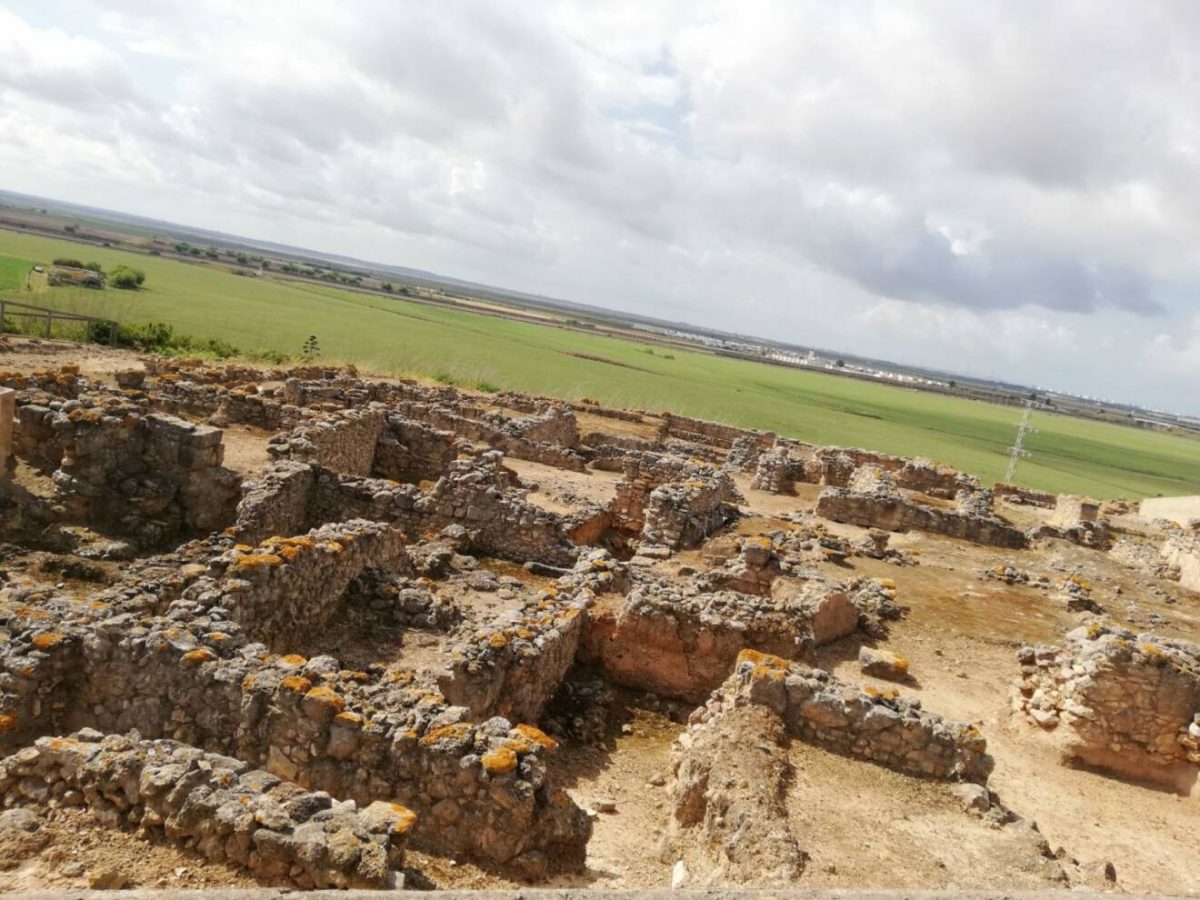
245, 684
873, 498
1124, 702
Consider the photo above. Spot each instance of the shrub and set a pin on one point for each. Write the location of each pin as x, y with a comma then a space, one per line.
126, 278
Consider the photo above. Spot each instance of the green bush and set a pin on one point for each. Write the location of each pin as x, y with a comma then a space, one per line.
159, 338
71, 263
126, 278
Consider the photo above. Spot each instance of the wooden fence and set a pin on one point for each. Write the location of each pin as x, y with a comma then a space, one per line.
13, 309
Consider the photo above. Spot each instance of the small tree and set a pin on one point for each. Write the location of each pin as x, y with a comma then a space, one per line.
311, 349
126, 278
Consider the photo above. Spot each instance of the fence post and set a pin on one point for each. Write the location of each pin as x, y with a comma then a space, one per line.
49, 322
1, 317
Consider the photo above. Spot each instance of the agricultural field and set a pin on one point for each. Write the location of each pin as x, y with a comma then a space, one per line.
13, 272
392, 337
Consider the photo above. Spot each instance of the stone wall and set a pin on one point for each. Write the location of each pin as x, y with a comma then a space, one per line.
1126, 702
149, 656
880, 727
512, 668
683, 514
682, 641
893, 511
8, 412
1024, 496
343, 441
216, 806
413, 452
117, 468
715, 434
837, 465
287, 589
476, 493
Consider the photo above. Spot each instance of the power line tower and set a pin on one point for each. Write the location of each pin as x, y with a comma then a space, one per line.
1018, 448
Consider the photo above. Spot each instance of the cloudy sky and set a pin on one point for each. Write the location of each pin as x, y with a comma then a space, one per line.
1008, 189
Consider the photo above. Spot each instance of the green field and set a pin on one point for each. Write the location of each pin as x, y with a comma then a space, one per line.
13, 272
397, 337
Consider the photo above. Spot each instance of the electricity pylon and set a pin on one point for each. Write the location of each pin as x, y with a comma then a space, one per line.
1018, 448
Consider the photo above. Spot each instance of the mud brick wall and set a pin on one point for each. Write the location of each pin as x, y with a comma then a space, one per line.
150, 476
1121, 701
895, 512
680, 641
879, 727
683, 514
344, 441
729, 817
216, 806
288, 588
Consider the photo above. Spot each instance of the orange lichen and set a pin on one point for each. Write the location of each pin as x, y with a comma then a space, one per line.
499, 761
764, 665
537, 736
47, 639
197, 656
327, 696
348, 719
297, 683
405, 818
887, 584
7, 722
257, 560
877, 694
497, 640
451, 732
292, 660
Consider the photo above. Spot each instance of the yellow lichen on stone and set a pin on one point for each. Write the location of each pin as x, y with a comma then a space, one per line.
764, 665
452, 732
535, 735
297, 683
326, 696
405, 818
7, 722
500, 761
257, 561
197, 656
47, 639
497, 640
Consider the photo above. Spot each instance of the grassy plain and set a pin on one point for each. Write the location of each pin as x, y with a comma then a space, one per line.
13, 272
392, 336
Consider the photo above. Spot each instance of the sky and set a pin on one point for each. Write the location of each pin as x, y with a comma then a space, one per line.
1005, 189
